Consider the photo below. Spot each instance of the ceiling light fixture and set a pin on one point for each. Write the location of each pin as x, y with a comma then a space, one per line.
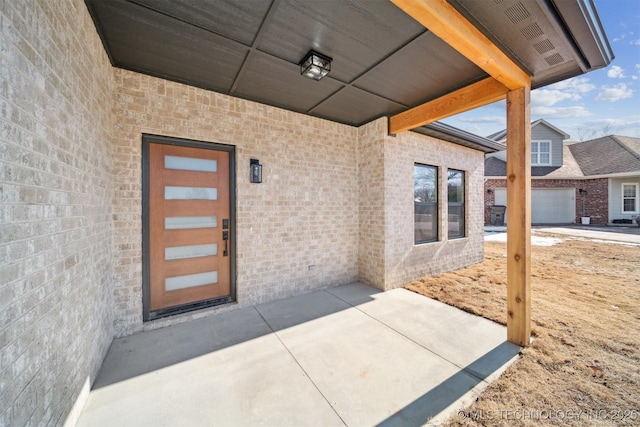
315, 65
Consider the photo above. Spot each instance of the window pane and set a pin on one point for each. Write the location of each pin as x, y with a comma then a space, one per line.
544, 147
185, 222
190, 280
190, 164
629, 191
190, 193
193, 251
456, 211
455, 186
544, 158
629, 205
534, 153
425, 192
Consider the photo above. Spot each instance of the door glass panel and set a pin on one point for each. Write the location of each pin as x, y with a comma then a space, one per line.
190, 193
184, 222
190, 164
190, 280
194, 251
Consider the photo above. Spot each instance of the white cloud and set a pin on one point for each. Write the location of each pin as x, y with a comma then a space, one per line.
615, 72
637, 42
549, 97
551, 113
623, 36
574, 85
614, 93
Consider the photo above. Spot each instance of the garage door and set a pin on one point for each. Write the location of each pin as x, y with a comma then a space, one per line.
548, 205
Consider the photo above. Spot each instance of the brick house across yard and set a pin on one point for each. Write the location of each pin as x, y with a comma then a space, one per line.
163, 161
597, 179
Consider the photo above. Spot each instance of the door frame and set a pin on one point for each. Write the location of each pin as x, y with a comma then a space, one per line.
147, 313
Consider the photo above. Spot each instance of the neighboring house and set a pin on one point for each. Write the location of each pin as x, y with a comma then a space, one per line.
128, 130
598, 179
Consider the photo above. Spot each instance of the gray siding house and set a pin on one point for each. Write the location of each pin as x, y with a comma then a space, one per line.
596, 180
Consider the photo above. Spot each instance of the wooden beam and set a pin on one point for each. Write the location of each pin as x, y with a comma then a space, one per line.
519, 216
447, 23
476, 95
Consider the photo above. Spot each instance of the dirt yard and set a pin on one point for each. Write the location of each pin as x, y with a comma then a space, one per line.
583, 368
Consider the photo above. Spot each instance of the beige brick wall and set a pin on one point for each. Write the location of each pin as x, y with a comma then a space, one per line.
402, 260
371, 232
56, 310
305, 212
333, 196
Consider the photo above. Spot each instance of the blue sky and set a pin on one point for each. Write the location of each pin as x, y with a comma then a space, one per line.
605, 101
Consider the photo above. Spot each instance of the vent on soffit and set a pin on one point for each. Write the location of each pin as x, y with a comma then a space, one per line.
517, 13
544, 46
531, 31
554, 59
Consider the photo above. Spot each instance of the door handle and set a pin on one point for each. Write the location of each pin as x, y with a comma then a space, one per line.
225, 237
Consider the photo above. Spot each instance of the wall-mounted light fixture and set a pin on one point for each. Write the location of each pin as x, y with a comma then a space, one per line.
490, 191
255, 175
582, 191
315, 65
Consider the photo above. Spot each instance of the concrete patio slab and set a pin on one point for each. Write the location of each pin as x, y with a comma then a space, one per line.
349, 355
247, 378
428, 323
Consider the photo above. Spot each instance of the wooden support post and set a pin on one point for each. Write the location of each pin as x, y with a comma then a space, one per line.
519, 216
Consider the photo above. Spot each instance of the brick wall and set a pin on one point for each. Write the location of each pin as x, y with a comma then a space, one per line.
371, 196
333, 196
55, 190
596, 200
305, 212
388, 256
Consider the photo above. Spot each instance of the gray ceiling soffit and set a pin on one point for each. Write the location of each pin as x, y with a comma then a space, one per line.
384, 62
355, 34
460, 137
419, 72
238, 21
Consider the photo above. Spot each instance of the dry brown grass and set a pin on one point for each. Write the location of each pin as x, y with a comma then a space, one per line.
586, 323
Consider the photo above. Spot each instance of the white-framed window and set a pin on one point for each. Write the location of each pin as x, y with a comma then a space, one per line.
630, 197
540, 153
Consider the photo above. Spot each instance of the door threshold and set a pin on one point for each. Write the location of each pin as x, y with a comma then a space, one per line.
186, 308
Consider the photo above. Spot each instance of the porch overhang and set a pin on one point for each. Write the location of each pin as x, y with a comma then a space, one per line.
415, 61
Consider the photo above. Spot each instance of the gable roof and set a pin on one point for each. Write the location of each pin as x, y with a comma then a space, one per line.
502, 135
607, 155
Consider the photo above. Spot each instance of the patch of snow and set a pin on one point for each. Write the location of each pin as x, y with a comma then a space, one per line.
535, 240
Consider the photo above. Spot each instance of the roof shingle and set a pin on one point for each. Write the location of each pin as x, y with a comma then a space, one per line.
607, 155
